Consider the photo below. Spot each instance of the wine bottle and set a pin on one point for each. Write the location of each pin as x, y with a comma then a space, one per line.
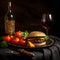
9, 21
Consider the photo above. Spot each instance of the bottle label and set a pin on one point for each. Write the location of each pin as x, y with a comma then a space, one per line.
9, 26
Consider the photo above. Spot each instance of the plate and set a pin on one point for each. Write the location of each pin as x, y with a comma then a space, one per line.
49, 43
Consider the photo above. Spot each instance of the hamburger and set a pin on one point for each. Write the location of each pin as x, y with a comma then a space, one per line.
38, 38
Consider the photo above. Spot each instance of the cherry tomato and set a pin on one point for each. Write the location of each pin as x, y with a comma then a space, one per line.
18, 34
22, 42
15, 41
7, 38
12, 37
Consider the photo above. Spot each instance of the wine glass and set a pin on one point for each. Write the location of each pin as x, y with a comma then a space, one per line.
47, 21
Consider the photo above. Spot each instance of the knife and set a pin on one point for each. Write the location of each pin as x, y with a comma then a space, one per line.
26, 52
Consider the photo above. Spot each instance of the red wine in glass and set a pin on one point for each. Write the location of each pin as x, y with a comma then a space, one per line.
46, 22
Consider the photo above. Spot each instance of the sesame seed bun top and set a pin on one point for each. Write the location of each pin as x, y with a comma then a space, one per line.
36, 33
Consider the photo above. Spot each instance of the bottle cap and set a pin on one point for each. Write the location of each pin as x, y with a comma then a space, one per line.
9, 3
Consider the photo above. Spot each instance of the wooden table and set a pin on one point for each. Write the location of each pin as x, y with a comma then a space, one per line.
50, 53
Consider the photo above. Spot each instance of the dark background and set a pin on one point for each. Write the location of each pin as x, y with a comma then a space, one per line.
28, 14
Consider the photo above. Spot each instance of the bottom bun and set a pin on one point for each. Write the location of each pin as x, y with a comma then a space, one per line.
40, 44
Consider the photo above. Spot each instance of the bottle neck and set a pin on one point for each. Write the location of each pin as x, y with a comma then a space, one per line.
9, 9
9, 6
10, 12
